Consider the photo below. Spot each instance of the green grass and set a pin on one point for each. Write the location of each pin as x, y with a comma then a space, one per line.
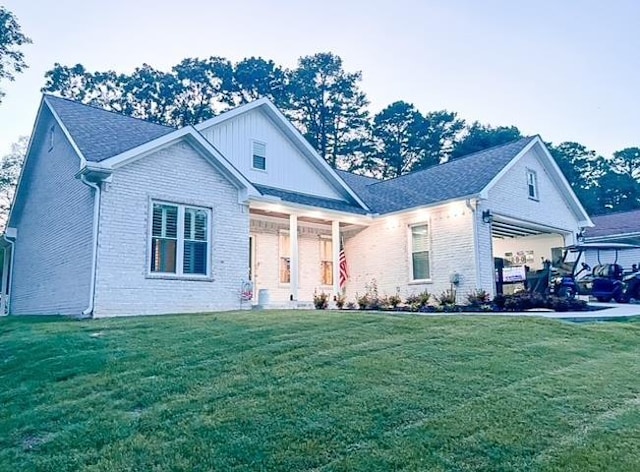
318, 391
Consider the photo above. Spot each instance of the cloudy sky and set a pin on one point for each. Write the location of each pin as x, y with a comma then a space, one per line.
568, 70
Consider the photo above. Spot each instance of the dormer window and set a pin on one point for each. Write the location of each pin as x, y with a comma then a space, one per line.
259, 160
532, 184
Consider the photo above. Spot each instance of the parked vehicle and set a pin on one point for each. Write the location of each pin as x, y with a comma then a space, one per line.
571, 275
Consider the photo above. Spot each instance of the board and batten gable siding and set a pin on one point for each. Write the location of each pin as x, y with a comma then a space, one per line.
53, 251
286, 167
381, 252
180, 175
510, 197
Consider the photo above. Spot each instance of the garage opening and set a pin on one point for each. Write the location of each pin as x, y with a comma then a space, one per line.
520, 247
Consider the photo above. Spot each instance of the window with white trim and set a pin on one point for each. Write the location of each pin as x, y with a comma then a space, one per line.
179, 240
259, 159
285, 258
326, 261
532, 184
420, 265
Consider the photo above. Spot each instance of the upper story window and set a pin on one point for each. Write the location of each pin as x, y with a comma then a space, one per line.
259, 159
420, 265
532, 184
180, 240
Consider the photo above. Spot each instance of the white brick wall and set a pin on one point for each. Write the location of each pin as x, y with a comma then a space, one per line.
381, 251
177, 174
52, 262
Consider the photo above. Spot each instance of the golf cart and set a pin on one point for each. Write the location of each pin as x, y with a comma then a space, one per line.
570, 275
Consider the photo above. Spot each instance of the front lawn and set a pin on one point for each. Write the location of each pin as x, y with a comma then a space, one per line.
320, 391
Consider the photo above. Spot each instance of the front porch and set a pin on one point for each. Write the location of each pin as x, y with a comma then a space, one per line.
294, 253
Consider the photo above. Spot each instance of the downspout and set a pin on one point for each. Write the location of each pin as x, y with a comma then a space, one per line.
7, 301
94, 256
476, 243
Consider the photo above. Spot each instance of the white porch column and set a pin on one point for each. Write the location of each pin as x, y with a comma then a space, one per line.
335, 243
293, 240
5, 280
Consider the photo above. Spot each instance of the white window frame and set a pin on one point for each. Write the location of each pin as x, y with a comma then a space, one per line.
280, 257
410, 251
253, 153
179, 273
532, 174
329, 259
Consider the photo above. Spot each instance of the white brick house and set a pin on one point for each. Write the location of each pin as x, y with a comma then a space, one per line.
118, 216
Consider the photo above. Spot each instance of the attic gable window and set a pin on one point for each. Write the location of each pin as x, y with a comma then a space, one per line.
532, 184
259, 160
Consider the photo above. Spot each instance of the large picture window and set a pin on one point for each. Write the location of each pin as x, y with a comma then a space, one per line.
420, 266
326, 261
179, 240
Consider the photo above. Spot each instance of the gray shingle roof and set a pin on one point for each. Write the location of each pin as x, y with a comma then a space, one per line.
459, 178
303, 199
615, 224
99, 133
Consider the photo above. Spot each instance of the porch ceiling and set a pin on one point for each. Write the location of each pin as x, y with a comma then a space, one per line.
505, 227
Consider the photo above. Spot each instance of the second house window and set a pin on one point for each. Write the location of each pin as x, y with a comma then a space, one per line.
259, 161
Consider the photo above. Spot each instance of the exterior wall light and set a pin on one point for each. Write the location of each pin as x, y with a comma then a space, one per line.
487, 216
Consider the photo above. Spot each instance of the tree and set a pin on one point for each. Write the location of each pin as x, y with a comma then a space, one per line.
627, 162
398, 136
480, 137
327, 105
617, 192
439, 137
254, 78
11, 39
583, 169
10, 166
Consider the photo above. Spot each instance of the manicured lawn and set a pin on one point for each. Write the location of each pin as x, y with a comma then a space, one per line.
318, 391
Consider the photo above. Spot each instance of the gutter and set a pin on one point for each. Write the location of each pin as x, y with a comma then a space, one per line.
9, 276
94, 256
475, 240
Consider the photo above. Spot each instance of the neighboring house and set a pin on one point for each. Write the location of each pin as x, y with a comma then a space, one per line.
115, 216
623, 227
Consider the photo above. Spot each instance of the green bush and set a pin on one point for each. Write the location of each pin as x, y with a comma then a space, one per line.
321, 300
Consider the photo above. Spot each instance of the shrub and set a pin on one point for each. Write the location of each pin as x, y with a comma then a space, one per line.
448, 297
321, 300
351, 306
340, 301
499, 301
478, 297
362, 301
395, 300
423, 298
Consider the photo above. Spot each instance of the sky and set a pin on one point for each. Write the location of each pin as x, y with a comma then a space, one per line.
568, 70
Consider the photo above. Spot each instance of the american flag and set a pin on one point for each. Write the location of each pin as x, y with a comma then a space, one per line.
344, 272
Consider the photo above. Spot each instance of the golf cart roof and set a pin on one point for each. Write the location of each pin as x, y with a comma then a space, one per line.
601, 247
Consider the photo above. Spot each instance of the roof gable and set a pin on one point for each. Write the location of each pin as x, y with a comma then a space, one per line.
292, 135
99, 134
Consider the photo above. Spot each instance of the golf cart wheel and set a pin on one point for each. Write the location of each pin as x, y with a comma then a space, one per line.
566, 292
603, 299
